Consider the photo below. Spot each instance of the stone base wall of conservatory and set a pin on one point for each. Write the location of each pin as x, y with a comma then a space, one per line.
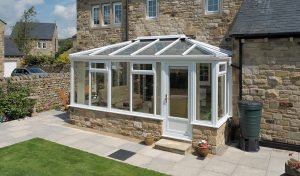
126, 125
216, 137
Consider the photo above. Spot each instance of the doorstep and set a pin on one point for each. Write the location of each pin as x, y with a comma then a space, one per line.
173, 146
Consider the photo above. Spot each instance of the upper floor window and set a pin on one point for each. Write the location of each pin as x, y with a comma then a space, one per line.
95, 16
151, 8
106, 14
41, 45
212, 6
117, 13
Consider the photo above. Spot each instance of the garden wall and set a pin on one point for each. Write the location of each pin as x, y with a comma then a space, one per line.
46, 88
271, 75
56, 68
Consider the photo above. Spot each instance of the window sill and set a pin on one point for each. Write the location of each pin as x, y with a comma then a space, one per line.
152, 18
217, 13
117, 111
210, 124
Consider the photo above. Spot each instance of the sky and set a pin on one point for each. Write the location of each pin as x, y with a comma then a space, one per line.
61, 12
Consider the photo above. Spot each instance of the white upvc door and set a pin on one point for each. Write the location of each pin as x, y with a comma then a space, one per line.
177, 100
9, 66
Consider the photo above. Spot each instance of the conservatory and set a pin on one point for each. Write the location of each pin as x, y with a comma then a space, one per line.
174, 81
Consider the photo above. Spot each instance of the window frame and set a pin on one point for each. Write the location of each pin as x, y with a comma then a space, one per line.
114, 13
147, 10
103, 16
209, 12
93, 14
42, 43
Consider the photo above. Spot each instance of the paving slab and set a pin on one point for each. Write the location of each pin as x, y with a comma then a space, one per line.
248, 171
160, 165
139, 160
221, 167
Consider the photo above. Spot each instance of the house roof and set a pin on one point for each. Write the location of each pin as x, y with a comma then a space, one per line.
41, 31
152, 47
267, 18
10, 48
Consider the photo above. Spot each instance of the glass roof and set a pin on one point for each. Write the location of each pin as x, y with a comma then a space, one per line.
174, 45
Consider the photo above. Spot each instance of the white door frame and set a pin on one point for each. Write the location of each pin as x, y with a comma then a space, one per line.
165, 106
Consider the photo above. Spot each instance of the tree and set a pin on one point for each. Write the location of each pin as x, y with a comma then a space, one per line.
21, 33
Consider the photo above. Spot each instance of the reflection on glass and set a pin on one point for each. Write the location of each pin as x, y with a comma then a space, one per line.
142, 97
99, 89
142, 66
98, 65
158, 88
198, 51
156, 47
221, 96
134, 48
203, 96
120, 96
178, 105
81, 82
179, 48
110, 50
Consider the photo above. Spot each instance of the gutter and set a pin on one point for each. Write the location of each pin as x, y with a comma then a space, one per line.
240, 68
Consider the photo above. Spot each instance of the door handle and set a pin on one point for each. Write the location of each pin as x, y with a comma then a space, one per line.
166, 98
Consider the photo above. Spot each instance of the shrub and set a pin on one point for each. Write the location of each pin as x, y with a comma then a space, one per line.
14, 102
38, 59
63, 58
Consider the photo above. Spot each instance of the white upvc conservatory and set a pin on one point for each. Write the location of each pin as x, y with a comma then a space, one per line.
175, 79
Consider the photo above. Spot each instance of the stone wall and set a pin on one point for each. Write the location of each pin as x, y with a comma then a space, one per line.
56, 68
46, 88
216, 137
271, 75
174, 17
2, 29
126, 125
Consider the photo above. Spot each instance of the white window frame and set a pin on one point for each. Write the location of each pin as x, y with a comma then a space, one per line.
93, 15
103, 16
208, 12
114, 13
147, 10
42, 44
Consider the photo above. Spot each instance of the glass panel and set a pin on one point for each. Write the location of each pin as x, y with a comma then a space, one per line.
178, 49
152, 8
134, 48
106, 14
203, 96
81, 83
158, 88
198, 51
142, 97
120, 96
212, 5
118, 13
142, 66
99, 89
178, 92
95, 15
98, 65
156, 47
222, 67
221, 96
111, 50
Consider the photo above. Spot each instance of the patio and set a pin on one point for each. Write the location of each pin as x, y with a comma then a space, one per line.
53, 126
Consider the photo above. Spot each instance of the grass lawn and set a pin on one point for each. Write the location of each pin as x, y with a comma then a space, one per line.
39, 157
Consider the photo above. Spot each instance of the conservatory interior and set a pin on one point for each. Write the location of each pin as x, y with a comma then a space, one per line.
173, 79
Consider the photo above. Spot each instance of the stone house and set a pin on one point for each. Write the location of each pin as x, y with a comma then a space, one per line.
12, 57
267, 48
258, 73
45, 38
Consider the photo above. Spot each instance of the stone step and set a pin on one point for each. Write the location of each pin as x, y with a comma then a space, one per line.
173, 146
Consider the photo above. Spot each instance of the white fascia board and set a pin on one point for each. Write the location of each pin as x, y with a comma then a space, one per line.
200, 58
145, 47
108, 47
189, 50
160, 37
167, 47
124, 48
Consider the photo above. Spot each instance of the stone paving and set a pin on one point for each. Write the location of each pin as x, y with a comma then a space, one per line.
53, 126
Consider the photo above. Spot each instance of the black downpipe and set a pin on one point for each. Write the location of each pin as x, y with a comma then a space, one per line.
126, 22
241, 68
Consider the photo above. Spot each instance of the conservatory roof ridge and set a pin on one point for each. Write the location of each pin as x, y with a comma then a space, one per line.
160, 37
